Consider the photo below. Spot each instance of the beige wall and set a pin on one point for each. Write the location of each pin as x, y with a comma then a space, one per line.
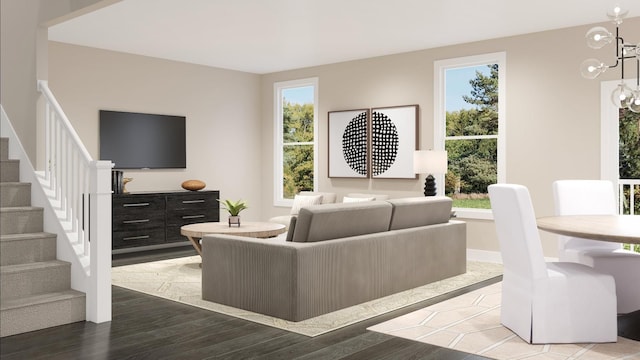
23, 58
553, 114
222, 109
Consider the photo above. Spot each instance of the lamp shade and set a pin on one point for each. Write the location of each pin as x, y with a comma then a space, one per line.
430, 162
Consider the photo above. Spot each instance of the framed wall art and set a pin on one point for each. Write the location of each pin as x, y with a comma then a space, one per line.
349, 144
394, 132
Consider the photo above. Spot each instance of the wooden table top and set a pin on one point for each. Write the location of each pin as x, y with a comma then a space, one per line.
246, 228
612, 228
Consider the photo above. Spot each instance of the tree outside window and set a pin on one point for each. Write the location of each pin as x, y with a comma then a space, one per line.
629, 156
295, 138
470, 98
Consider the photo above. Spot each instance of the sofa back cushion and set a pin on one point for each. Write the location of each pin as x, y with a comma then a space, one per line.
419, 211
333, 221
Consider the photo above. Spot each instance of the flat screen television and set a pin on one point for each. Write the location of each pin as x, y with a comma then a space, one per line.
143, 141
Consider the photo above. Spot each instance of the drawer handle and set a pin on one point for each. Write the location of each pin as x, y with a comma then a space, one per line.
135, 237
136, 204
135, 221
193, 216
192, 201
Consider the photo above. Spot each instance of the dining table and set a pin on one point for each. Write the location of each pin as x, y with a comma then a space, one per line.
612, 228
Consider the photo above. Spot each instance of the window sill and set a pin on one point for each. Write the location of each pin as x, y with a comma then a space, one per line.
467, 213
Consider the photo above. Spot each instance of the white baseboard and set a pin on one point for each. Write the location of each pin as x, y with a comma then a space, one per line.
493, 256
484, 256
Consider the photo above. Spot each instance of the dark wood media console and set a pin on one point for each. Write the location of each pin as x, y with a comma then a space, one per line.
146, 220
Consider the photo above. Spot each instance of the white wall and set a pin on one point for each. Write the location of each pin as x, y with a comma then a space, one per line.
222, 109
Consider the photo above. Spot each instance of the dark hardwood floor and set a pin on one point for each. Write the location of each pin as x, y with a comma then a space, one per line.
148, 327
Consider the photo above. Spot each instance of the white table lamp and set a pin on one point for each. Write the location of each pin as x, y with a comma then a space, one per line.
430, 162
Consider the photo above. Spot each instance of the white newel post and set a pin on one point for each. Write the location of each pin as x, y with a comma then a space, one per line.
99, 294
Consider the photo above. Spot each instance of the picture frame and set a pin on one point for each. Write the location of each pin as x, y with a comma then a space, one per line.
348, 143
393, 139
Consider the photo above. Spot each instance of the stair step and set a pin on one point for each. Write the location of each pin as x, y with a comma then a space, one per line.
9, 170
41, 311
21, 219
4, 148
27, 248
14, 194
22, 280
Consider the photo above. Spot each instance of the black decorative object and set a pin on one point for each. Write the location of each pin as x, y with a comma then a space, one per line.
117, 185
430, 186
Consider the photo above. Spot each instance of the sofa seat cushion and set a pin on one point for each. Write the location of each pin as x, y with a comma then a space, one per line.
419, 211
282, 219
363, 195
348, 199
333, 221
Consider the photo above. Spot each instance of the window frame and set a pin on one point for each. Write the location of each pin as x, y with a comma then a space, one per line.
278, 88
439, 132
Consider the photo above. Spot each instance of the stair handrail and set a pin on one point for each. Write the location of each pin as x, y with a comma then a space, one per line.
78, 189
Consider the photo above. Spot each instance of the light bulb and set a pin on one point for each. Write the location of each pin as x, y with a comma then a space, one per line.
591, 68
634, 104
622, 96
598, 37
617, 14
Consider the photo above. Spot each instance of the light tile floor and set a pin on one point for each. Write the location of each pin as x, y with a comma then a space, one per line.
471, 323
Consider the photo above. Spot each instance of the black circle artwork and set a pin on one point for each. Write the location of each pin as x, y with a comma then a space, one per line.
384, 143
354, 144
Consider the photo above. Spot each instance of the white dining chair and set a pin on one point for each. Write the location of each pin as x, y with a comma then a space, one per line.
547, 302
597, 197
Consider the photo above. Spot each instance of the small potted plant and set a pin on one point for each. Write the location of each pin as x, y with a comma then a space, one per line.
234, 208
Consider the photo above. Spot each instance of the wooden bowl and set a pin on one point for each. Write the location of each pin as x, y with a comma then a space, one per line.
193, 185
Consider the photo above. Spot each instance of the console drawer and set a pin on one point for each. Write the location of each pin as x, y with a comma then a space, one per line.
137, 204
189, 216
195, 200
140, 220
127, 239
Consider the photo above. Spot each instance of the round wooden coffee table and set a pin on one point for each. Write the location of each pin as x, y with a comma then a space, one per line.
195, 232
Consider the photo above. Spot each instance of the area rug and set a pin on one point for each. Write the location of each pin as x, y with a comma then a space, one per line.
179, 280
471, 323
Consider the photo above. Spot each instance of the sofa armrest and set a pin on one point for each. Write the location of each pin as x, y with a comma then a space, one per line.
249, 273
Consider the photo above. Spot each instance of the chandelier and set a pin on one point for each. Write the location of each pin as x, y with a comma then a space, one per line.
598, 37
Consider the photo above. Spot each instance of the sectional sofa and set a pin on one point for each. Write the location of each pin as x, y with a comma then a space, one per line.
335, 256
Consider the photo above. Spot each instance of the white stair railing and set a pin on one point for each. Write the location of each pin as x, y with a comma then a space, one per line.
79, 192
628, 195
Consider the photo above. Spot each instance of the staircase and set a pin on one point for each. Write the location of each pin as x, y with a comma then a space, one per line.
35, 287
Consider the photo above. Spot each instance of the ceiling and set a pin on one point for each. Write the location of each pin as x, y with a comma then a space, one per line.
265, 36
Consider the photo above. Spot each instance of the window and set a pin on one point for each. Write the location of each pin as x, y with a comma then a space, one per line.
295, 138
619, 152
620, 149
469, 123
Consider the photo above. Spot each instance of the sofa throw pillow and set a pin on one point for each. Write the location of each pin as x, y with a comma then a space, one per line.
348, 199
300, 201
